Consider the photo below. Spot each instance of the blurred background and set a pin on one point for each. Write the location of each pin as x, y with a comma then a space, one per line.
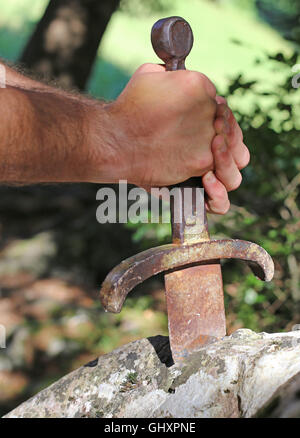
53, 253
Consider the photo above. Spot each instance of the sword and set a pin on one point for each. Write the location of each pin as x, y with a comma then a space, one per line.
193, 278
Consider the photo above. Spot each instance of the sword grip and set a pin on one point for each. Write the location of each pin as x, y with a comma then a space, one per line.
172, 40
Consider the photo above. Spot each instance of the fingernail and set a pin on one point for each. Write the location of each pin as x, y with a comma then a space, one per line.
210, 176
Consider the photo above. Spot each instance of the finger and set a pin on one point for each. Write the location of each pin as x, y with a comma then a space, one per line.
221, 125
221, 99
226, 169
235, 142
244, 157
234, 134
216, 194
223, 111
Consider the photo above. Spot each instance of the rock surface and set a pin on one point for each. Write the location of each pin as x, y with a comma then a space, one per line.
244, 375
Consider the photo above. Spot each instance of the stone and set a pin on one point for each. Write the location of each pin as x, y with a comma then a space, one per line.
239, 376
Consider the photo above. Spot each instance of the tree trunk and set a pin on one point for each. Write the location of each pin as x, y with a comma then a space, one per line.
65, 42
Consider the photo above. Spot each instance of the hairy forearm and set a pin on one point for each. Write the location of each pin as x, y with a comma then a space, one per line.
49, 135
19, 77
159, 131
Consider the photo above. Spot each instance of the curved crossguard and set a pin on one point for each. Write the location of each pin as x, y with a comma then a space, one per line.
134, 270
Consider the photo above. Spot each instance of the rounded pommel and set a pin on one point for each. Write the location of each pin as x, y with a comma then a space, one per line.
172, 40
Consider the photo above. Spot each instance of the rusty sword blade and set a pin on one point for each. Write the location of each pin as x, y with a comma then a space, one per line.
195, 300
195, 303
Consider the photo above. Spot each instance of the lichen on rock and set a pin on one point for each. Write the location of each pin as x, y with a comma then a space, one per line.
236, 377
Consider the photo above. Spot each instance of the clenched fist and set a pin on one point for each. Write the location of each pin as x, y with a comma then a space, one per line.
170, 126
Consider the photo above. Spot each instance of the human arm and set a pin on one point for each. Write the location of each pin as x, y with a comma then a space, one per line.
158, 132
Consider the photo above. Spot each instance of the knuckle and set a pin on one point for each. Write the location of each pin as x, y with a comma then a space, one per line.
200, 84
195, 79
141, 69
210, 87
195, 86
144, 66
193, 82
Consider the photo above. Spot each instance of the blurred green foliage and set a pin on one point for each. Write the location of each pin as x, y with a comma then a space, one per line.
283, 15
269, 199
138, 8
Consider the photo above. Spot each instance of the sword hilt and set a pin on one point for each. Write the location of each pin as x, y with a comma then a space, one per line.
172, 40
